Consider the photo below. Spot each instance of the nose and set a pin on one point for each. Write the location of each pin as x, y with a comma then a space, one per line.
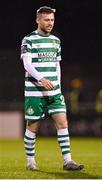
50, 22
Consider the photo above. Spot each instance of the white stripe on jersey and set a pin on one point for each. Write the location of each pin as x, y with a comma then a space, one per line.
57, 110
42, 93
44, 45
33, 117
46, 74
30, 84
51, 74
44, 64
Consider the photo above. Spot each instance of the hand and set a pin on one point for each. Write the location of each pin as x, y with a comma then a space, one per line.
47, 84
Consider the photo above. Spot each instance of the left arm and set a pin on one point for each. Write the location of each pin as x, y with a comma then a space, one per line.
58, 68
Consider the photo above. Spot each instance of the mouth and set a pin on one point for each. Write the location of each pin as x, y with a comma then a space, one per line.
49, 27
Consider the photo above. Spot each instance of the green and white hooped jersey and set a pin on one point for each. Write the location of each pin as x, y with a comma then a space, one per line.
45, 51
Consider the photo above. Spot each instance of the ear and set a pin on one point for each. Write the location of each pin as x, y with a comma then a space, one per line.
37, 20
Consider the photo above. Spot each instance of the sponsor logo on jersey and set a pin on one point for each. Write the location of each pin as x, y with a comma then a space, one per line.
47, 54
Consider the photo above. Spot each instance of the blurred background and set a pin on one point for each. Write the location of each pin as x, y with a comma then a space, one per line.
78, 25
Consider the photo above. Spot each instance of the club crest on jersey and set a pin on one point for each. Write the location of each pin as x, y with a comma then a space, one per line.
54, 44
30, 111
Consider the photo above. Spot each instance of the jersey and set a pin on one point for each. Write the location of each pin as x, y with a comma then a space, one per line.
44, 51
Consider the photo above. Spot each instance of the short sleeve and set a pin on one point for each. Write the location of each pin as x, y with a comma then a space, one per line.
26, 47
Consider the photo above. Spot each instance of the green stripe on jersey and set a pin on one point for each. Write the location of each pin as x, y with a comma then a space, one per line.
48, 59
39, 50
28, 50
46, 69
39, 88
53, 78
45, 40
28, 42
59, 53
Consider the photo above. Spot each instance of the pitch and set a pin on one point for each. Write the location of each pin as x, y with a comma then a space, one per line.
84, 150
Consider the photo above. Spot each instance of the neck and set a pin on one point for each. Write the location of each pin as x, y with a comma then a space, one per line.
42, 32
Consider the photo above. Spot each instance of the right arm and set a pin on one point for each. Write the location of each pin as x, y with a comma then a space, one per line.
47, 84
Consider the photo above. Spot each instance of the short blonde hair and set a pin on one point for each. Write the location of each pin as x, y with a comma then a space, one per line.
45, 9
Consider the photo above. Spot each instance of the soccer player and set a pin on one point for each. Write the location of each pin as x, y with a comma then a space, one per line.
41, 55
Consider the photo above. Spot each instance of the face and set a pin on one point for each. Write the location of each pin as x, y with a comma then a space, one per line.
45, 23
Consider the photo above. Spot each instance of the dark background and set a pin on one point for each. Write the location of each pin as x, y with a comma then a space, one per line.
79, 26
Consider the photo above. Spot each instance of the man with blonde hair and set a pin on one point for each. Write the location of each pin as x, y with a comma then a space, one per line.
41, 54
